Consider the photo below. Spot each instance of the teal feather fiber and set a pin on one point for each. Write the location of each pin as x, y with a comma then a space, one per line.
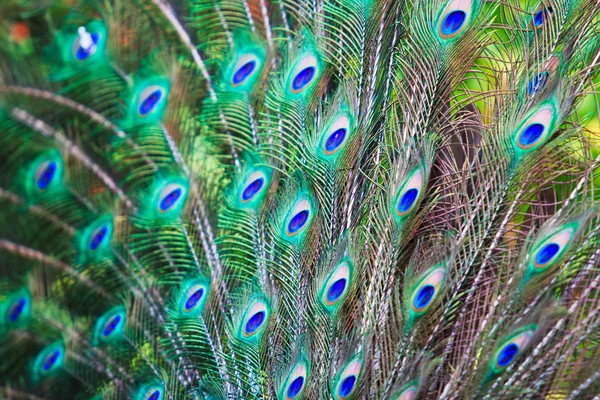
299, 199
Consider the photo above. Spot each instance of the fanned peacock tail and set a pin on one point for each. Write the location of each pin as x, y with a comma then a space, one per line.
285, 199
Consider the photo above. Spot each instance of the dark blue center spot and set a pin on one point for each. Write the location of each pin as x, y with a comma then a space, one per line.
15, 310
538, 82
540, 16
252, 189
507, 354
194, 299
82, 54
453, 22
531, 134
547, 253
303, 78
111, 325
170, 199
336, 290
335, 139
295, 387
150, 102
51, 359
255, 322
47, 175
347, 385
244, 72
155, 395
424, 296
298, 221
407, 200
98, 237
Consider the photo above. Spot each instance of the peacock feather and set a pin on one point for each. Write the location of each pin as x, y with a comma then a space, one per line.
299, 199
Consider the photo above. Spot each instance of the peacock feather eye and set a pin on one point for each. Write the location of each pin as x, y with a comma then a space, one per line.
454, 18
543, 76
254, 187
541, 16
98, 236
170, 197
295, 382
428, 290
255, 320
16, 309
245, 70
298, 218
192, 298
512, 348
150, 98
550, 250
50, 359
110, 325
304, 74
45, 174
538, 83
408, 196
536, 129
453, 22
149, 391
86, 44
95, 238
531, 134
347, 380
153, 393
337, 285
336, 136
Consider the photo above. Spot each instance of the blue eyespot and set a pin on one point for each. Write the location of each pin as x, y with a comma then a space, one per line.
531, 134
538, 83
295, 387
424, 296
98, 237
82, 53
16, 309
51, 359
540, 16
111, 325
252, 189
255, 322
429, 288
335, 140
508, 354
453, 22
336, 290
150, 102
193, 300
337, 285
155, 395
244, 72
303, 78
547, 253
347, 385
298, 221
407, 200
47, 175
170, 199
254, 318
